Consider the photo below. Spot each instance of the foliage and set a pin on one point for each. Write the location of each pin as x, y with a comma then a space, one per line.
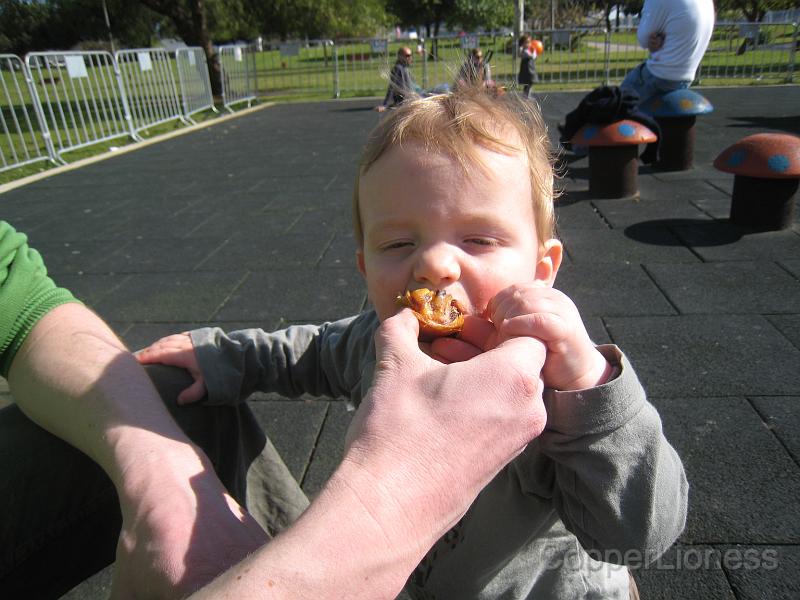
754, 10
63, 24
315, 19
488, 15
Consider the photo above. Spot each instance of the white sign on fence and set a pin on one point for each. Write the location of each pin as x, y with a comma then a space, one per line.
379, 46
290, 49
470, 41
76, 67
145, 64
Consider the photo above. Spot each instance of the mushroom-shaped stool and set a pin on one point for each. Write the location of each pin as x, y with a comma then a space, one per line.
676, 113
613, 156
767, 171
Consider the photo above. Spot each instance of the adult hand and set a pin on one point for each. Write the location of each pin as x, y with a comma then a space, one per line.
463, 421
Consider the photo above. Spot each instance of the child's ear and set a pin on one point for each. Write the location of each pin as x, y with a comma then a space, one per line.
549, 262
360, 262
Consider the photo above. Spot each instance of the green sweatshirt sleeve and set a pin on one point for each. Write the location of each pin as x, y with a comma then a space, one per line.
26, 292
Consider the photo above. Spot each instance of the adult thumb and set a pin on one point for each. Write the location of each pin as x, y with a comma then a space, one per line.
397, 337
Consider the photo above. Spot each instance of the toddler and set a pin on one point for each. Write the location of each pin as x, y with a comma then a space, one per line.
455, 193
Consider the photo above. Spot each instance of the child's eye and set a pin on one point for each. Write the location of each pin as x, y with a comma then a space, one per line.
395, 245
481, 241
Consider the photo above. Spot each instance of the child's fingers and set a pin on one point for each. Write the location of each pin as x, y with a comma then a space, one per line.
167, 350
193, 393
478, 332
520, 300
547, 327
450, 350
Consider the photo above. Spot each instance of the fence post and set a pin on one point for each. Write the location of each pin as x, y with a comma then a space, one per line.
424, 63
40, 116
607, 59
792, 55
126, 109
336, 90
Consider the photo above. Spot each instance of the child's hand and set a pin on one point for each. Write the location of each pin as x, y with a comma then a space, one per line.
535, 310
177, 351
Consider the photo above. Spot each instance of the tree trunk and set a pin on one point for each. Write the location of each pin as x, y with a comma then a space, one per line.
192, 26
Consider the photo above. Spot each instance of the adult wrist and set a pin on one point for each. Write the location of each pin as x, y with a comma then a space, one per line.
150, 466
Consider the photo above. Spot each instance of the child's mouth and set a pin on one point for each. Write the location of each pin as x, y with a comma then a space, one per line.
438, 313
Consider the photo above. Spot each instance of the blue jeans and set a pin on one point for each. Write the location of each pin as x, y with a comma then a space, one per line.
646, 85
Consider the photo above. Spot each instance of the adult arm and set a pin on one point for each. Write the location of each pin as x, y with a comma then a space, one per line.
381, 510
70, 374
651, 21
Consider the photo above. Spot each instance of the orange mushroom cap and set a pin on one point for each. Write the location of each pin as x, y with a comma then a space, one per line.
619, 133
767, 155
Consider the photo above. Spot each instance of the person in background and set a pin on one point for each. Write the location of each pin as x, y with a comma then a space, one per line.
527, 65
401, 82
474, 71
676, 33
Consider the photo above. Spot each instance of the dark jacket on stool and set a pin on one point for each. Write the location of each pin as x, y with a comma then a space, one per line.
608, 104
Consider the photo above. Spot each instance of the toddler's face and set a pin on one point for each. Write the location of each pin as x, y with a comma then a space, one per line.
426, 224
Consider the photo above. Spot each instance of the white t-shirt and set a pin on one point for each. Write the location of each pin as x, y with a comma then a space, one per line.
687, 26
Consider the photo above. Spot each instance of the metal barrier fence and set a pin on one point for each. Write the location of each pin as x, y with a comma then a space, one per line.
284, 67
22, 140
194, 82
74, 99
577, 57
149, 83
238, 66
81, 98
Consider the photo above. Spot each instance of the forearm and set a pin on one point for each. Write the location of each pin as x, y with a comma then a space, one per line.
618, 483
355, 541
75, 379
318, 360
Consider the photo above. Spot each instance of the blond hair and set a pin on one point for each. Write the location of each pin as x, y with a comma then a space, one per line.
456, 125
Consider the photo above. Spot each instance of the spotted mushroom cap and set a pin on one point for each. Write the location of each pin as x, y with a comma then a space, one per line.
767, 155
620, 133
677, 103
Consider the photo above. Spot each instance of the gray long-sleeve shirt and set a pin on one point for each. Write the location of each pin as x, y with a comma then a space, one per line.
601, 480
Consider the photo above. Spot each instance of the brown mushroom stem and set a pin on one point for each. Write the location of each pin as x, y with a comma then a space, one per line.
761, 203
676, 145
613, 171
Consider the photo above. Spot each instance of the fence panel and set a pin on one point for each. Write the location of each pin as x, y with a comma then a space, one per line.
149, 82
295, 67
24, 139
195, 85
238, 67
764, 52
81, 98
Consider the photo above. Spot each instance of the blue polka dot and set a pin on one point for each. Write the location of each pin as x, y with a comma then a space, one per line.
626, 130
778, 162
737, 158
590, 132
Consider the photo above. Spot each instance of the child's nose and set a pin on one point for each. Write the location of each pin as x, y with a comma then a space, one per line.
437, 266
